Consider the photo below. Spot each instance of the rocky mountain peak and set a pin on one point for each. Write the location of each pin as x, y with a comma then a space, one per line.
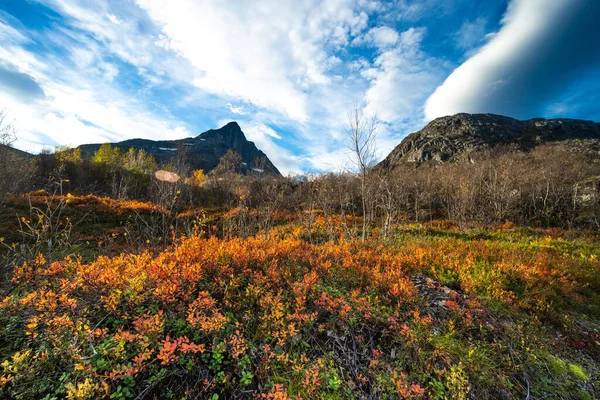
456, 136
230, 133
203, 151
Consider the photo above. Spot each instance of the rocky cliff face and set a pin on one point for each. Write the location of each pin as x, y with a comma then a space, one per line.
203, 151
456, 137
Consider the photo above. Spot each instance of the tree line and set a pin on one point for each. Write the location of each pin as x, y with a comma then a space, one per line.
549, 186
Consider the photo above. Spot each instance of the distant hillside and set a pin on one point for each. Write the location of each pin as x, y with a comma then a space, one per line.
203, 151
456, 137
15, 152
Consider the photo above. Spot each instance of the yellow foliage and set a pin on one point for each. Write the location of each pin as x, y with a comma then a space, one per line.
198, 179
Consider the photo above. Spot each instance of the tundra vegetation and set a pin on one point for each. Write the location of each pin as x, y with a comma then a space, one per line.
468, 280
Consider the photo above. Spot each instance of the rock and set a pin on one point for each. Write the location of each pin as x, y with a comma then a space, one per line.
203, 151
458, 136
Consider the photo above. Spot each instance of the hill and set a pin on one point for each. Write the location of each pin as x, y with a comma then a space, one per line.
458, 136
13, 152
203, 151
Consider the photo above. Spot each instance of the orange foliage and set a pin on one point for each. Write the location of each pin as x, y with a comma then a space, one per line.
212, 303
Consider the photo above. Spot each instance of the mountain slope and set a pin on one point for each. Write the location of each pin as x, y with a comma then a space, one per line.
14, 152
456, 137
203, 151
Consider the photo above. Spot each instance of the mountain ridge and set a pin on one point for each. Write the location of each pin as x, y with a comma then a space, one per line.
203, 151
457, 136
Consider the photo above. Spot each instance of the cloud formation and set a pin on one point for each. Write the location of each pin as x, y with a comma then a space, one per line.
70, 98
19, 83
269, 54
401, 79
470, 33
80, 71
541, 48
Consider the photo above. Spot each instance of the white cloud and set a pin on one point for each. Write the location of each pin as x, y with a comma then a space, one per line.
380, 36
337, 159
236, 109
384, 36
121, 116
540, 49
8, 34
113, 18
401, 78
470, 33
73, 117
121, 36
272, 55
359, 64
81, 106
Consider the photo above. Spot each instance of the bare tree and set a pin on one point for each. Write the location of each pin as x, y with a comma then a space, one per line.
7, 130
15, 167
362, 132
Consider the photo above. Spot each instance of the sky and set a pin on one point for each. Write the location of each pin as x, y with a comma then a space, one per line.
289, 71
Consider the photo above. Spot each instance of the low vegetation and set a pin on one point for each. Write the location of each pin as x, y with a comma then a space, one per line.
471, 280
302, 310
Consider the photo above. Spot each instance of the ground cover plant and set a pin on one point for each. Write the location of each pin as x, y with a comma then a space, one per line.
304, 310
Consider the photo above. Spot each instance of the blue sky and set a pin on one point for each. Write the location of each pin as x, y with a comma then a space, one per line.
82, 71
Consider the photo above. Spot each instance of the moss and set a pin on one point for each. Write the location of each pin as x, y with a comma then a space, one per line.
578, 372
559, 367
556, 364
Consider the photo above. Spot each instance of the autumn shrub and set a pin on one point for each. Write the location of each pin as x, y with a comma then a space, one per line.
276, 316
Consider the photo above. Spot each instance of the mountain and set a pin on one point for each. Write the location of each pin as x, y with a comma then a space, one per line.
203, 151
13, 152
457, 136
